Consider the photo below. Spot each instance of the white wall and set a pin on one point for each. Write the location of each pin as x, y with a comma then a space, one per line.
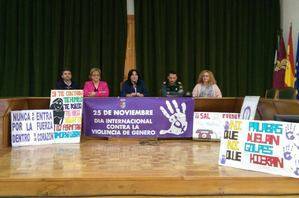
130, 7
290, 13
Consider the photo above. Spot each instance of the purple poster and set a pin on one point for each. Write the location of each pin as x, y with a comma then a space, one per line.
138, 117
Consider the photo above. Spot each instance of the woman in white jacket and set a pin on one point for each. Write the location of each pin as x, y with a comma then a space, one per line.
206, 86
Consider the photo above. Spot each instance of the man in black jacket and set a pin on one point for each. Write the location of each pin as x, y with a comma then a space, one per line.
65, 81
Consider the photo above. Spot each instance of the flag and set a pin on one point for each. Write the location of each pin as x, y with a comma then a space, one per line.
280, 64
289, 77
297, 69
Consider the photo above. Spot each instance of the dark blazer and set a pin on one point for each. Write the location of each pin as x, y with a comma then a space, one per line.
61, 85
128, 88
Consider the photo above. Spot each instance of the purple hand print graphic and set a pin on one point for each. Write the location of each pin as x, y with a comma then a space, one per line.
290, 131
296, 168
223, 159
287, 152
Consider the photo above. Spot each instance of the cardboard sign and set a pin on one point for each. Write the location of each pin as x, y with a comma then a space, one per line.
67, 106
209, 125
249, 106
265, 146
32, 127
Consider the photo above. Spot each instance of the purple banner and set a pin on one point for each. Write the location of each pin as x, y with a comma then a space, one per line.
138, 117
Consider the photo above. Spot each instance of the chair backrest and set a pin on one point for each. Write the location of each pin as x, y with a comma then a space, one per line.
287, 93
271, 93
121, 84
286, 118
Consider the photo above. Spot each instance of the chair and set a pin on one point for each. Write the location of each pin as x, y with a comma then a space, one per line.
271, 93
287, 93
286, 118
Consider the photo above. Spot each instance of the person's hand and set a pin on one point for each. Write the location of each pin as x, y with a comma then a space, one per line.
139, 95
92, 93
131, 95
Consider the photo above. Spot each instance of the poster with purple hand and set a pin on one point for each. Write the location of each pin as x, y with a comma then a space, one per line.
265, 146
138, 117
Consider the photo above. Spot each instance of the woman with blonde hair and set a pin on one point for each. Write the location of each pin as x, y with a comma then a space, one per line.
206, 86
95, 87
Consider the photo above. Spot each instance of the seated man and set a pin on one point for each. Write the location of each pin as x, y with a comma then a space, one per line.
172, 87
65, 81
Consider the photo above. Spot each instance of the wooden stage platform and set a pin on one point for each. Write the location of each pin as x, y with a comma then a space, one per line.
131, 167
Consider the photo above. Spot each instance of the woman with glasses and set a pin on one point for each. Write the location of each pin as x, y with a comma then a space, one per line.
95, 87
206, 86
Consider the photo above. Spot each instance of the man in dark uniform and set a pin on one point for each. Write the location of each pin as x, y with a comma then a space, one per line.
172, 87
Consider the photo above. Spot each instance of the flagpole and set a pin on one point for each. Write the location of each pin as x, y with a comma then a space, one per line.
297, 68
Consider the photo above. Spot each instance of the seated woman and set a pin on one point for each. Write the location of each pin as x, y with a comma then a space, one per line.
95, 87
206, 86
65, 81
133, 86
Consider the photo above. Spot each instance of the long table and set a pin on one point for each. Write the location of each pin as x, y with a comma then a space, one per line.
267, 108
